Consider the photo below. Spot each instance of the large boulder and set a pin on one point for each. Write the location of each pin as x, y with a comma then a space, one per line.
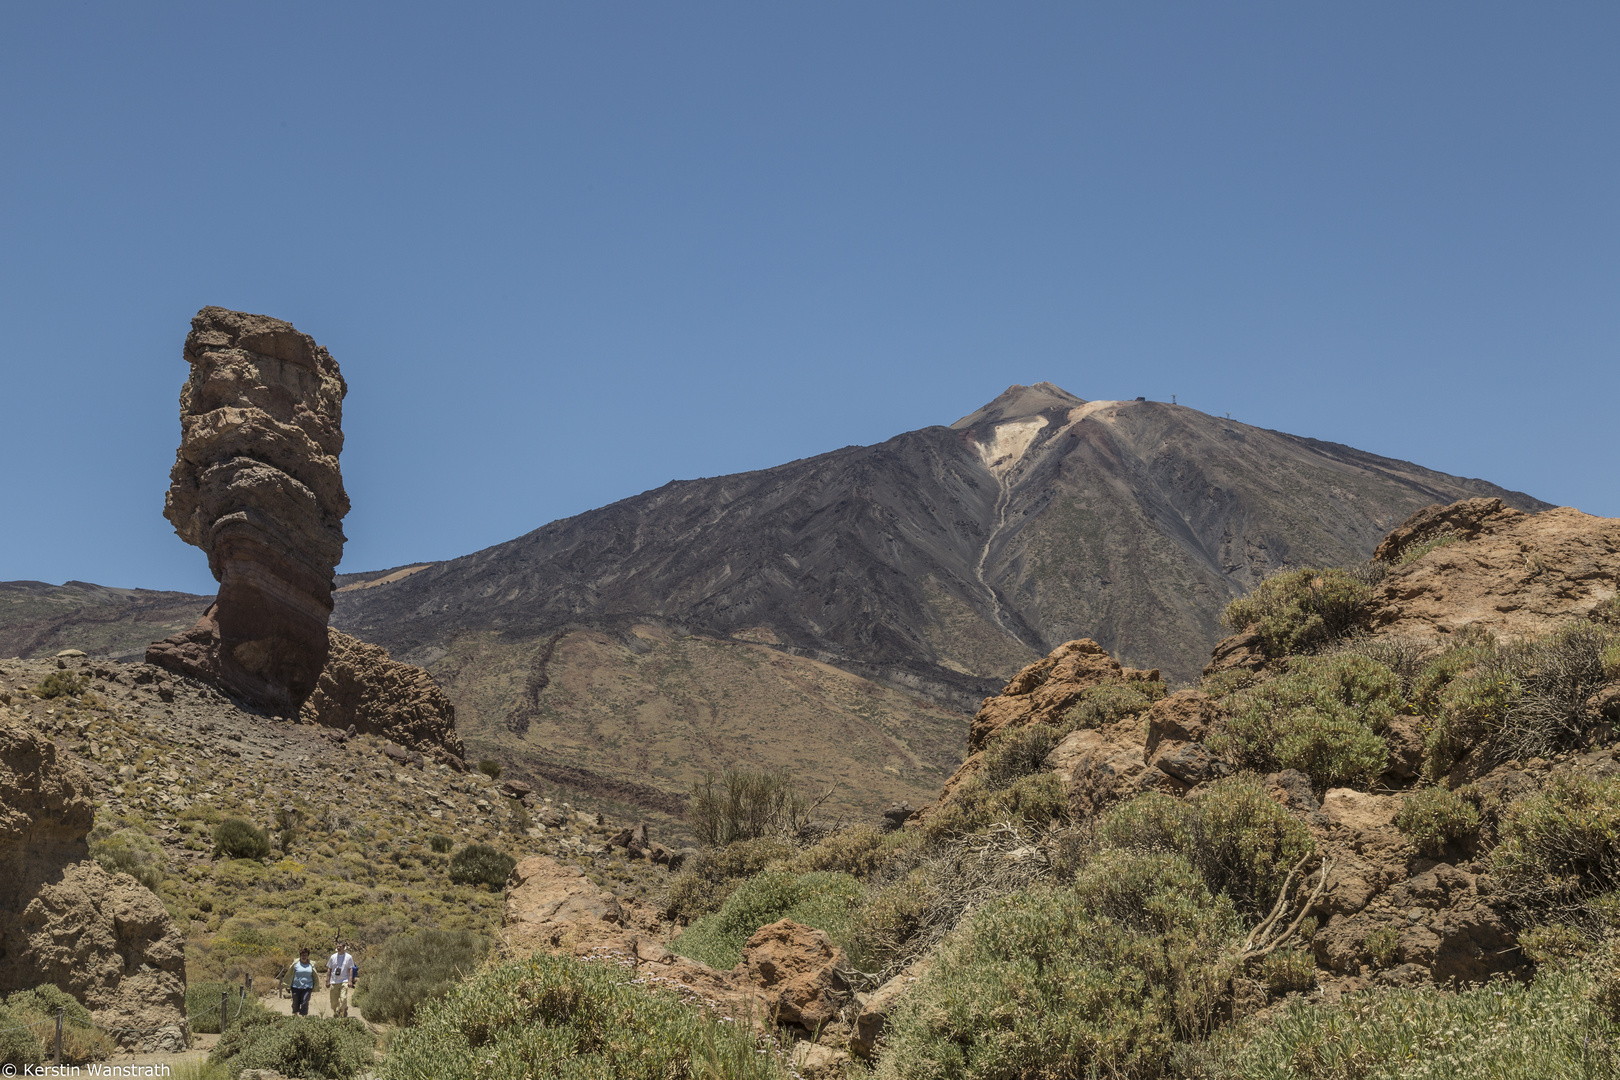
363, 688
256, 485
798, 972
1511, 573
103, 938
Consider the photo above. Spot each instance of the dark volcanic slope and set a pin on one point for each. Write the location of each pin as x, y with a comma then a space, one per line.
945, 557
37, 619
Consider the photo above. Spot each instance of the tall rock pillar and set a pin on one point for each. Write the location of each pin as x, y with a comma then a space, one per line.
256, 485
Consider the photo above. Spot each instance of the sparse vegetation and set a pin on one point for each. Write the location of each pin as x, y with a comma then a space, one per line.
821, 900
744, 804
38, 1009
1434, 817
1559, 850
554, 1017
439, 844
1241, 842
60, 684
19, 1044
413, 969
1101, 706
490, 768
1502, 1031
1014, 753
129, 851
1523, 699
704, 885
1033, 801
1417, 551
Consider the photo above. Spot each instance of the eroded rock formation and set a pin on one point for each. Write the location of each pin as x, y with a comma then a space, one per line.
104, 938
256, 485
363, 688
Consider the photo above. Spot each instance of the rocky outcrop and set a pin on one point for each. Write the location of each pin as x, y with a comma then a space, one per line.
103, 938
1511, 573
789, 974
256, 485
798, 973
1390, 913
361, 687
1107, 763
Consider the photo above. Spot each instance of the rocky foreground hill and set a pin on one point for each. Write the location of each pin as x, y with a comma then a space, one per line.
1388, 790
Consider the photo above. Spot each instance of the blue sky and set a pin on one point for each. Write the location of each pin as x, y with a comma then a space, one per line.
566, 253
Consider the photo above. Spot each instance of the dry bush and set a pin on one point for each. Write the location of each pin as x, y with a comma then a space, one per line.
744, 804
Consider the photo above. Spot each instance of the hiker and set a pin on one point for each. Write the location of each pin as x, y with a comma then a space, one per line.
339, 978
301, 981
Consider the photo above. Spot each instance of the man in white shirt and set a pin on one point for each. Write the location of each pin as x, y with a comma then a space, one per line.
339, 975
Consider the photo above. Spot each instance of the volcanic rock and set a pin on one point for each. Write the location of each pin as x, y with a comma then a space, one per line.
362, 688
103, 938
799, 973
1511, 573
1041, 693
256, 485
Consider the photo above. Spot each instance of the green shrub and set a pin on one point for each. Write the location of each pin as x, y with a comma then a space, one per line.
1502, 1031
1383, 945
413, 969
1034, 801
1014, 753
129, 851
1099, 979
1298, 611
296, 1046
743, 804
481, 864
240, 839
1417, 551
1523, 699
861, 851
1241, 842
1559, 849
1405, 656
1288, 971
1321, 717
438, 843
553, 1017
710, 877
490, 768
1223, 684
820, 900
82, 1041
1102, 706
20, 1039
1435, 817
61, 684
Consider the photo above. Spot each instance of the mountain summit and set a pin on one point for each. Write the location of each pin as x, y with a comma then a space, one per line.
942, 559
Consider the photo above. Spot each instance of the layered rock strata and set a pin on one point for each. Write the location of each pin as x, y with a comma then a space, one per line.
256, 485
104, 938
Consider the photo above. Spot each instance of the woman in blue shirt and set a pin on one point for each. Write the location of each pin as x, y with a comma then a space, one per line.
302, 972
